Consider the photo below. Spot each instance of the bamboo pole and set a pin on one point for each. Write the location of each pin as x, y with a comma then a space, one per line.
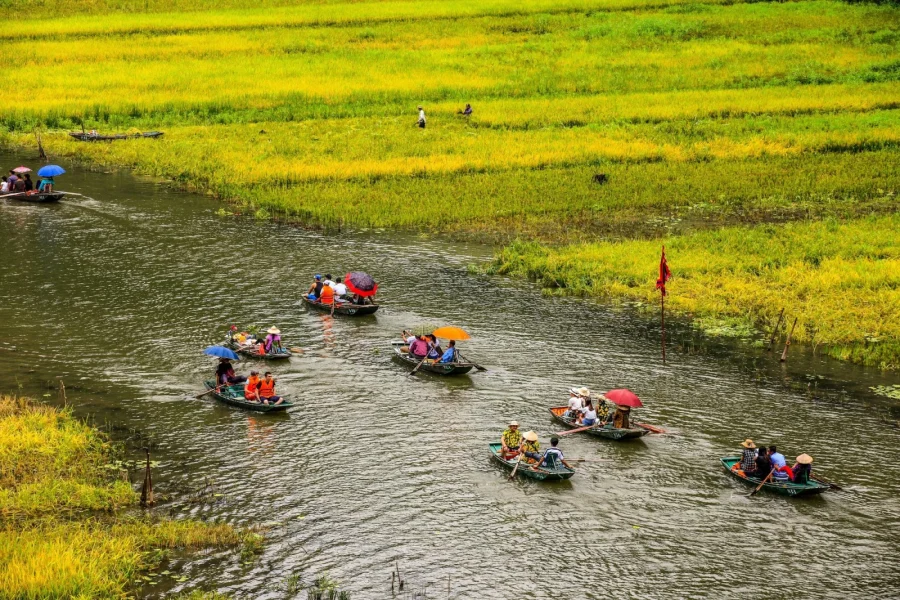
775, 331
788, 342
147, 487
662, 312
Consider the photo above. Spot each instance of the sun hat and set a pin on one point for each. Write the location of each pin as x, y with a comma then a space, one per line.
748, 443
573, 391
583, 391
273, 330
530, 436
513, 423
804, 459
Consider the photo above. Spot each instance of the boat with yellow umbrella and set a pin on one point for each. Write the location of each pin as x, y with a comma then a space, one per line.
459, 365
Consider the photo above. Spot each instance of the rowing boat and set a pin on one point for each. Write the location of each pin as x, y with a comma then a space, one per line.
96, 137
343, 308
557, 473
234, 395
34, 196
606, 431
787, 488
455, 368
253, 352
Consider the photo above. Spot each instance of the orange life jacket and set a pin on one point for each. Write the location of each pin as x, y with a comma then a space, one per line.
267, 388
250, 388
261, 348
327, 296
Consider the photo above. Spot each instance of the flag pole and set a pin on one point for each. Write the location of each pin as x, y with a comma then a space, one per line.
662, 312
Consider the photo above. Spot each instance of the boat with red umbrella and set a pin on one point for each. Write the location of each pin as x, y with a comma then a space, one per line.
363, 288
618, 426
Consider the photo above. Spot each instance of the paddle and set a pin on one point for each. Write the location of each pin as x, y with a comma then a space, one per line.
759, 487
474, 364
650, 428
211, 390
568, 431
417, 366
516, 468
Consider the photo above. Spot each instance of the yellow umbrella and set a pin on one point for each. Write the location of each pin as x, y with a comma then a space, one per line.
451, 333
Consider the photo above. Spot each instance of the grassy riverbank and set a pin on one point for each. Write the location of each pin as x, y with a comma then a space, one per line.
63, 532
702, 114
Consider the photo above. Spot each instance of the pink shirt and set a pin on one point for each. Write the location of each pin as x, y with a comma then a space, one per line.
419, 348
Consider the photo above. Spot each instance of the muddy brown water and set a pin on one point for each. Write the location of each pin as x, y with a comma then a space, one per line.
118, 292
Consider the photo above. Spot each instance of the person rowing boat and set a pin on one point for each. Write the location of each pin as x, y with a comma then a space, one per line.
511, 441
553, 457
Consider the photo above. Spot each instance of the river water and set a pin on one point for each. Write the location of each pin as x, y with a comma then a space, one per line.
118, 292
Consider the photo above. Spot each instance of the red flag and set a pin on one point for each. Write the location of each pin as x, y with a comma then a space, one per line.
664, 273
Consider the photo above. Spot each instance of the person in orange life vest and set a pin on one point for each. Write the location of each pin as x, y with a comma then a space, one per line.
267, 390
261, 346
251, 390
327, 295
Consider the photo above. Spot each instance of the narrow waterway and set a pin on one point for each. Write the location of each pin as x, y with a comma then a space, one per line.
118, 292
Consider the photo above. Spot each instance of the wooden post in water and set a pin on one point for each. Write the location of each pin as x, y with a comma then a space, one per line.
788, 342
41, 152
62, 393
147, 488
775, 331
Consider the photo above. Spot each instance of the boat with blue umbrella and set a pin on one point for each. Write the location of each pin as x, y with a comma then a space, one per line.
44, 191
233, 394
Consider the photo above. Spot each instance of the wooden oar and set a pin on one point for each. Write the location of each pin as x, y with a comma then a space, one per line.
759, 487
589, 460
211, 390
830, 484
650, 428
474, 364
568, 431
515, 468
418, 365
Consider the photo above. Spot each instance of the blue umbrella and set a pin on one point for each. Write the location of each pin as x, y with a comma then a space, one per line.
51, 171
221, 352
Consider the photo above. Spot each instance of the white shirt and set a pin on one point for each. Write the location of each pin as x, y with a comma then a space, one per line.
339, 289
4, 187
410, 340
575, 403
422, 115
329, 283
590, 414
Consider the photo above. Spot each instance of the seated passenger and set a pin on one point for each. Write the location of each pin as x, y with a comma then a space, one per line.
261, 347
418, 348
779, 464
602, 410
315, 290
434, 349
553, 457
340, 289
408, 339
326, 294
575, 404
802, 469
273, 340
251, 389
510, 441
620, 417
763, 464
589, 415
450, 355
747, 464
531, 447
267, 390
225, 373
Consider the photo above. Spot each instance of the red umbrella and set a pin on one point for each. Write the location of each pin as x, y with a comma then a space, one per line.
624, 398
361, 283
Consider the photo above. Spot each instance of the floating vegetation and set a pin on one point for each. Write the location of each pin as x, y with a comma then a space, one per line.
888, 391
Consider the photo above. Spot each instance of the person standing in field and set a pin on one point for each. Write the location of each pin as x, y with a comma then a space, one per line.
421, 122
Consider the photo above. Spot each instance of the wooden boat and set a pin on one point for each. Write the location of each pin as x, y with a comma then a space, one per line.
541, 474
234, 395
34, 196
606, 431
787, 488
457, 368
95, 137
253, 352
343, 308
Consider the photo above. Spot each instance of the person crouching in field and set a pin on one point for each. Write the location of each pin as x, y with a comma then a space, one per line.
421, 121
